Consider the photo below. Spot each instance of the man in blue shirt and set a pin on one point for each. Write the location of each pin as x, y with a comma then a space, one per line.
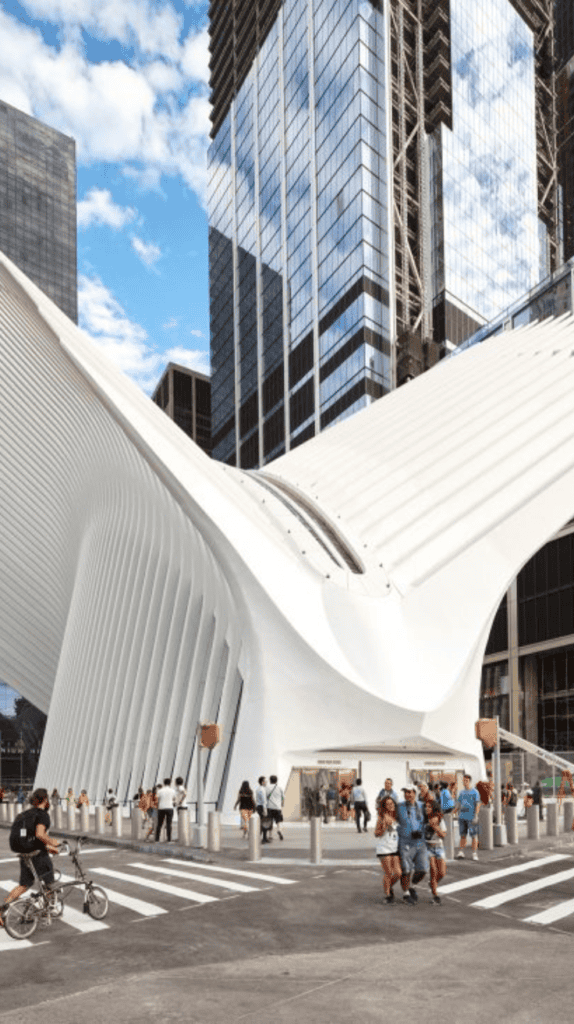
386, 791
468, 805
412, 846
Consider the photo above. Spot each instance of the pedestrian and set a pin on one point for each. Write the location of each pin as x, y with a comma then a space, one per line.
83, 799
54, 798
180, 793
322, 802
261, 808
445, 799
468, 805
151, 812
537, 798
412, 846
344, 792
387, 848
434, 833
246, 803
143, 804
332, 800
359, 798
111, 802
387, 790
274, 798
70, 797
165, 804
511, 794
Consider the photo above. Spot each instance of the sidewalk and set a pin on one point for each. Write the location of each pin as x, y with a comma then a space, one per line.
342, 845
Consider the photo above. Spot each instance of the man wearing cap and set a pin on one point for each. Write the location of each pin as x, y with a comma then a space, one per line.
412, 846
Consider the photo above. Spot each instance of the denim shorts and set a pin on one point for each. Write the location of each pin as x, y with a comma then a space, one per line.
414, 856
467, 827
436, 851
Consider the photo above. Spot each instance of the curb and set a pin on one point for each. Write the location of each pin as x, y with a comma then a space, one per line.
151, 849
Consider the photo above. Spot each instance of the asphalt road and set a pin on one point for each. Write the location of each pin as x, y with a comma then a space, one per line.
187, 942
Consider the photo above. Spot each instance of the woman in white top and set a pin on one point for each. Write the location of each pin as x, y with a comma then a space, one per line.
387, 848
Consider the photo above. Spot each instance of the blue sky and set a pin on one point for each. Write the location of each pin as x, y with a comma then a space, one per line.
128, 80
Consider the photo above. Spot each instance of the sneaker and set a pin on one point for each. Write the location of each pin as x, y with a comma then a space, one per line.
414, 895
407, 898
280, 834
390, 899
436, 900
475, 855
460, 855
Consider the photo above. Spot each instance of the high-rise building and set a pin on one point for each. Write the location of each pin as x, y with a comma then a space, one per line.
565, 91
382, 182
38, 205
185, 396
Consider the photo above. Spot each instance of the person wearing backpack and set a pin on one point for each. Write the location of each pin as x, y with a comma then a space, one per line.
29, 832
446, 799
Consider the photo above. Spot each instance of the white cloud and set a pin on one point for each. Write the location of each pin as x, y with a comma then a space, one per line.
173, 322
197, 334
148, 252
98, 207
153, 114
195, 359
126, 343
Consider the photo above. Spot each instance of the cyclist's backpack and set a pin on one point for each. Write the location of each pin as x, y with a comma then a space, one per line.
446, 801
23, 832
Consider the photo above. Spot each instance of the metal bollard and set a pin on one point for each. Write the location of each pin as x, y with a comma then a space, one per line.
449, 837
136, 817
568, 815
71, 818
57, 816
316, 841
183, 826
551, 818
533, 823
254, 837
511, 816
84, 818
117, 822
100, 821
214, 831
485, 828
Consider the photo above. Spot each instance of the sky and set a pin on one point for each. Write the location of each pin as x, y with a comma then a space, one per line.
127, 79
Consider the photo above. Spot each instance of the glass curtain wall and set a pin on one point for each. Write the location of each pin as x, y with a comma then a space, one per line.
299, 275
488, 244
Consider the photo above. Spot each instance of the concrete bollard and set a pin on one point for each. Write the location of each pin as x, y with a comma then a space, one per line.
532, 822
485, 828
551, 818
100, 821
511, 817
183, 826
84, 818
11, 811
57, 816
499, 834
254, 837
214, 831
19, 808
568, 815
117, 822
316, 841
449, 837
3, 811
71, 818
136, 818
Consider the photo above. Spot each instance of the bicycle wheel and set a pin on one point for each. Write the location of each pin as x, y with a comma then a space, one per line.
97, 902
20, 919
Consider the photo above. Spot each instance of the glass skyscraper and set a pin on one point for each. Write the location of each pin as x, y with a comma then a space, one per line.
378, 186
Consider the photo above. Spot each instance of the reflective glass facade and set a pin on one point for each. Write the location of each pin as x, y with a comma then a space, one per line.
38, 205
488, 246
299, 233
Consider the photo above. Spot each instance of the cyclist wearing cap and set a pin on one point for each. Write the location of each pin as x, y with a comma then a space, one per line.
34, 823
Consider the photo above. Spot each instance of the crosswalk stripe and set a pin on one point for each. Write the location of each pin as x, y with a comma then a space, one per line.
523, 890
81, 922
552, 914
492, 876
129, 902
171, 890
218, 882
6, 942
232, 871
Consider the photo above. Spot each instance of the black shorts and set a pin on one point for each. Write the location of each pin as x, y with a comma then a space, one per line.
44, 868
276, 814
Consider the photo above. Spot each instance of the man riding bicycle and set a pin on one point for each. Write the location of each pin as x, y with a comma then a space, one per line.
29, 835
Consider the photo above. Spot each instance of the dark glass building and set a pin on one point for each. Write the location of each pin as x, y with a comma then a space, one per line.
185, 395
38, 205
382, 183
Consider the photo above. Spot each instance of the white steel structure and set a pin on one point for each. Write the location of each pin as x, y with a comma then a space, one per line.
340, 600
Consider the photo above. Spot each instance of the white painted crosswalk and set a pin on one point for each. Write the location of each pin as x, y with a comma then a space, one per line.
174, 880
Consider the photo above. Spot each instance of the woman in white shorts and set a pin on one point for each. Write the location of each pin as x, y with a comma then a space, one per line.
387, 848
434, 833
